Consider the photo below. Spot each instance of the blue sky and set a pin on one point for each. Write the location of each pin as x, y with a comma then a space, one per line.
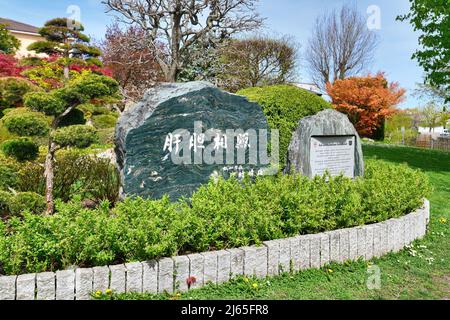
291, 17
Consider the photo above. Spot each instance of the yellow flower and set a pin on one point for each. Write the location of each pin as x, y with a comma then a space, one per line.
98, 293
246, 280
255, 286
443, 220
108, 291
178, 294
330, 270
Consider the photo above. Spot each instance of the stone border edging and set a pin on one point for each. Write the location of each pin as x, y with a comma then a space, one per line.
274, 257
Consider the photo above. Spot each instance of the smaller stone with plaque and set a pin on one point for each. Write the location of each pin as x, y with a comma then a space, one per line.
326, 142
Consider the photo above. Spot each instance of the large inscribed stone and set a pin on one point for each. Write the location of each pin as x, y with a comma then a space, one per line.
180, 135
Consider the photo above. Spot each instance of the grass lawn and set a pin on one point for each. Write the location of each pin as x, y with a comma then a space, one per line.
419, 272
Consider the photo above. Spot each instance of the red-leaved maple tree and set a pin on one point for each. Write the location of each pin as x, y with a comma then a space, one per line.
9, 66
367, 101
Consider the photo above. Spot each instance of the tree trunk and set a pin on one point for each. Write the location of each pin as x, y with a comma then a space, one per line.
173, 73
175, 44
66, 72
49, 177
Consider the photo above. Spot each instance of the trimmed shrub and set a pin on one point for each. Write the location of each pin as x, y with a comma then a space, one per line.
8, 177
79, 136
104, 121
50, 104
5, 198
12, 91
24, 122
27, 201
22, 149
219, 215
284, 106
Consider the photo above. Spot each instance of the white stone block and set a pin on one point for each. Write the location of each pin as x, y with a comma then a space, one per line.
384, 238
424, 220
249, 261
210, 267
344, 245
101, 279
224, 266
285, 255
45, 286
353, 242
83, 284
65, 285
415, 217
361, 253
134, 277
295, 254
7, 288
369, 242
315, 244
196, 270
261, 262
273, 257
237, 262
324, 249
335, 246
399, 234
391, 235
150, 277
304, 253
409, 229
165, 275
118, 278
181, 271
377, 244
427, 211
26, 286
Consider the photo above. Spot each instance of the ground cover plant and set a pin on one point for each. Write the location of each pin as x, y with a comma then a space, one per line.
222, 214
418, 272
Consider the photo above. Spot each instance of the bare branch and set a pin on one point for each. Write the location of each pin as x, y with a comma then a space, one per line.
341, 46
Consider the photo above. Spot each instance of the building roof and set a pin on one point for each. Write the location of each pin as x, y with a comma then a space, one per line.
19, 26
310, 87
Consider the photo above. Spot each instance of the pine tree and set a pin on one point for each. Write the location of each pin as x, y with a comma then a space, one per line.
64, 38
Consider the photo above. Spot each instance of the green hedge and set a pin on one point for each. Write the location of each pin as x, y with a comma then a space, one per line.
22, 149
12, 91
284, 106
220, 215
24, 122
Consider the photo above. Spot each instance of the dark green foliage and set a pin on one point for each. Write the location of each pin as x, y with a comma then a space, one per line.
5, 198
24, 122
284, 106
220, 215
12, 91
64, 37
46, 103
80, 136
73, 118
8, 43
26, 201
8, 177
78, 91
22, 149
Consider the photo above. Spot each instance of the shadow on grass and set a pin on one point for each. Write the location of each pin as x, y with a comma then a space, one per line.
425, 159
